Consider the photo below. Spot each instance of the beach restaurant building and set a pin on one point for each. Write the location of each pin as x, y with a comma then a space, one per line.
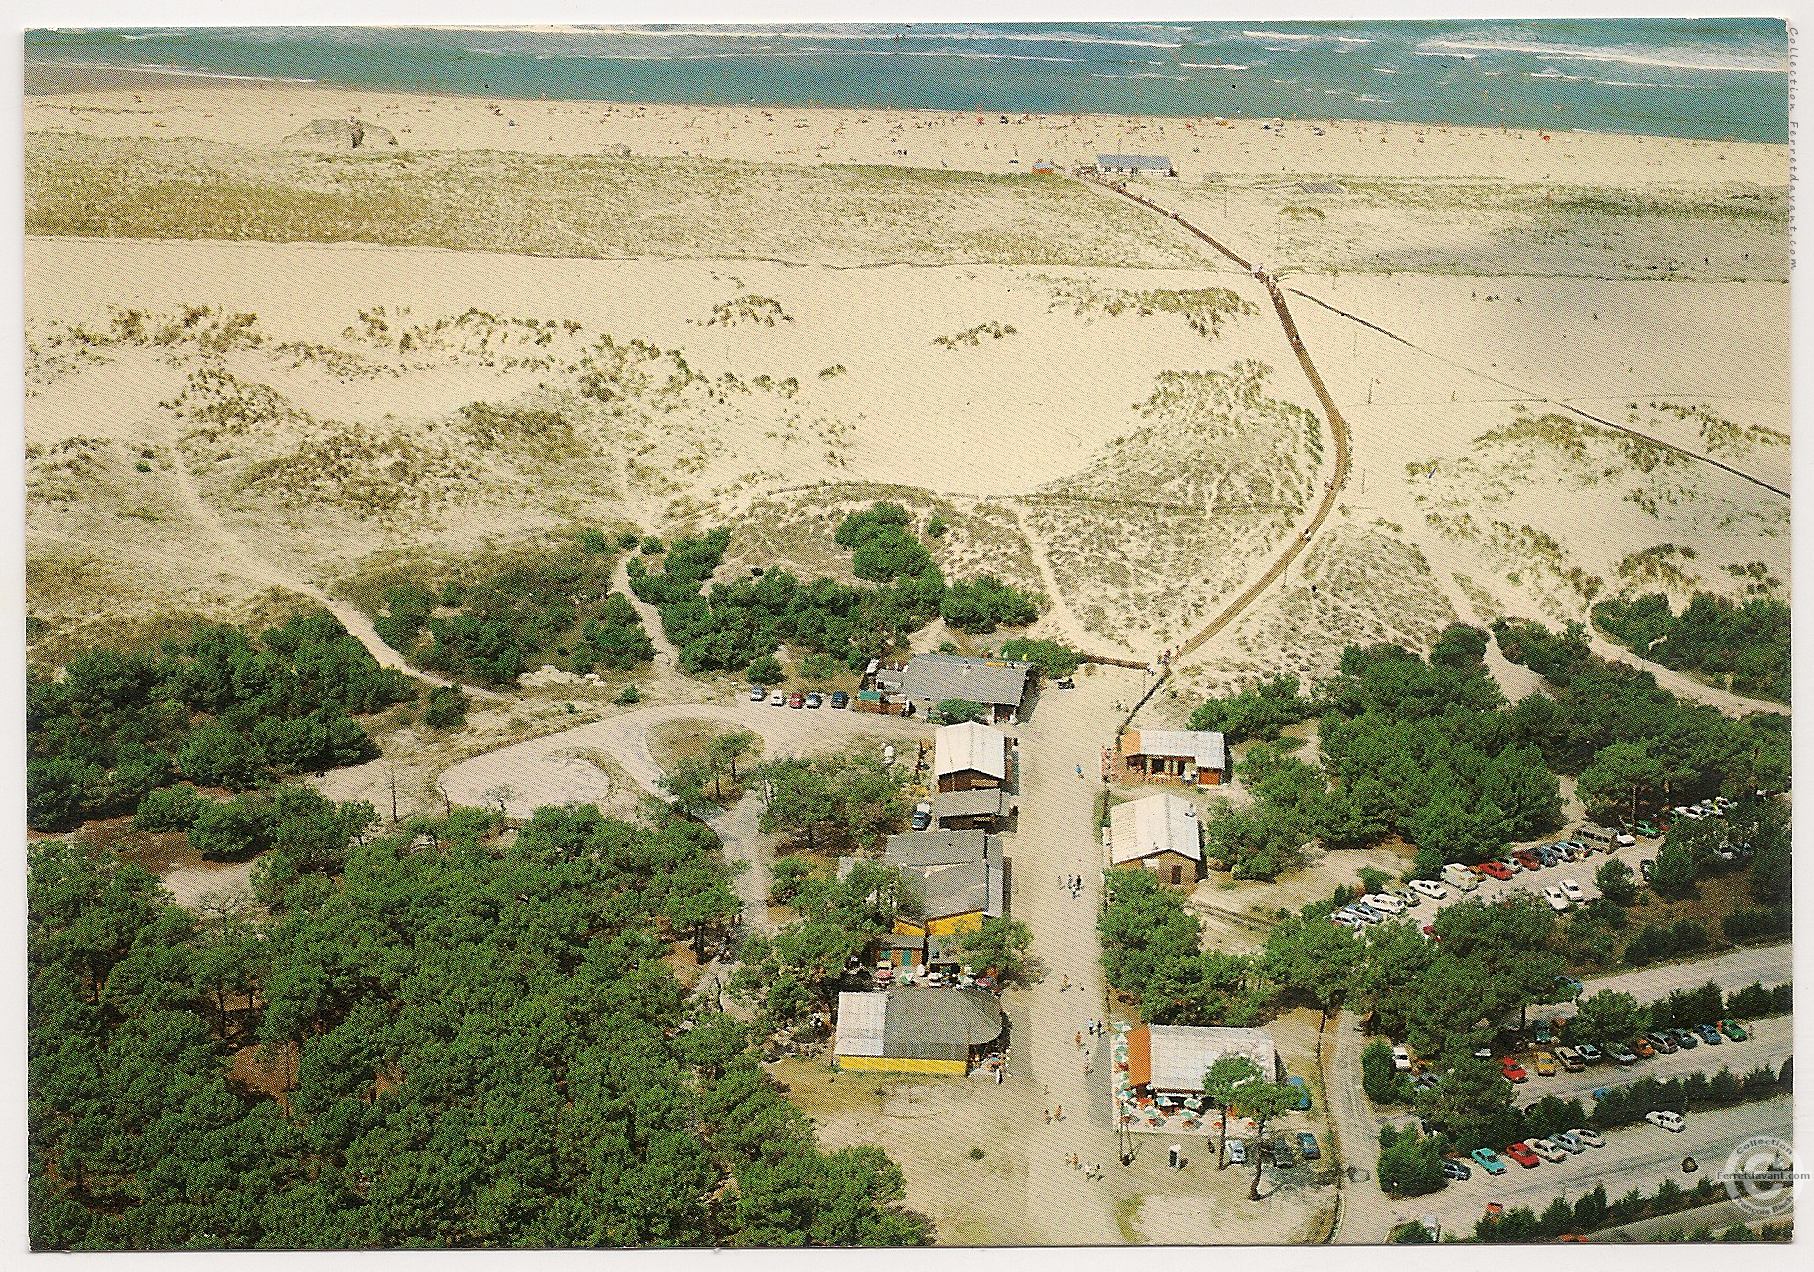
916, 1029
1135, 165
1168, 1062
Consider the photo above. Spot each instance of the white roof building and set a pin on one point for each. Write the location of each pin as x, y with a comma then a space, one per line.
1159, 823
970, 747
862, 1023
1179, 1055
1205, 750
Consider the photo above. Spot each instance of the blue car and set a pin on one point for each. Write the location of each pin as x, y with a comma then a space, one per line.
1709, 1035
1303, 1091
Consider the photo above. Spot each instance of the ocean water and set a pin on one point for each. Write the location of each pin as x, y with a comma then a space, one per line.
1708, 78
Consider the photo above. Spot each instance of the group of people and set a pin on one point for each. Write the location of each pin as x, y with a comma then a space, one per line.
1094, 1170
1073, 884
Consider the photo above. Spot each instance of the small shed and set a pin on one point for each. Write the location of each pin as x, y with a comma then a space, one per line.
984, 808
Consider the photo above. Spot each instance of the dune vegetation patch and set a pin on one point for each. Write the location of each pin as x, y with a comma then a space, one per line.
1164, 521
1204, 308
581, 205
1718, 434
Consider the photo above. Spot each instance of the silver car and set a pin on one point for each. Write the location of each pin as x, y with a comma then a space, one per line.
1237, 1152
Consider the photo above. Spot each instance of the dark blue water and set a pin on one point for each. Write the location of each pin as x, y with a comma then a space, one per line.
1666, 77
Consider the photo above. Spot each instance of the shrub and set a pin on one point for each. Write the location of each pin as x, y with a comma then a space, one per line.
446, 707
628, 696
168, 808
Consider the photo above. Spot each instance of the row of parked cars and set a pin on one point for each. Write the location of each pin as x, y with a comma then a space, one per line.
1556, 1148
1278, 1150
1657, 1042
811, 698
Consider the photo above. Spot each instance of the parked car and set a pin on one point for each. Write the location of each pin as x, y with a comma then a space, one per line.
1404, 897
1545, 1035
1661, 1041
815, 700
1686, 1039
1292, 1080
1456, 1169
1281, 1152
1622, 1055
1625, 839
1733, 1030
1431, 889
1557, 901
1642, 1046
1384, 903
1668, 1119
1493, 870
1428, 932
1647, 828
1566, 1141
1571, 985
796, 700
1308, 1146
1426, 1081
1513, 1071
1511, 864
1593, 1139
1547, 854
1709, 1035
1521, 1153
1590, 1054
1548, 1151
1488, 1161
1527, 859
922, 815
839, 700
1401, 1059
1571, 1059
1457, 875
1692, 814
1647, 868
1572, 891
1237, 1152
777, 699
1546, 1065
1368, 913
757, 693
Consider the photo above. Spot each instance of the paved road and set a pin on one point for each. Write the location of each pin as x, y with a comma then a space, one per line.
1771, 1043
1637, 1157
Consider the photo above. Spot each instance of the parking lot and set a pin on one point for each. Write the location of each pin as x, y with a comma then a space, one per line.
1770, 1043
1639, 1157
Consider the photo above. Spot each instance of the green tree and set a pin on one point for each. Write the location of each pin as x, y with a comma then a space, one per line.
961, 710
999, 942
1606, 1018
1619, 780
1262, 1103
1222, 1086
1675, 871
1410, 1165
765, 670
1616, 882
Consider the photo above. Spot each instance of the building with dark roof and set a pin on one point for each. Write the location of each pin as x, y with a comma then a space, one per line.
929, 679
984, 808
916, 1029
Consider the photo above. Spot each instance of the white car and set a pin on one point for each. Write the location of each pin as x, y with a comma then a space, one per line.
777, 699
1627, 840
1692, 814
1384, 903
1557, 901
1547, 1151
1572, 891
1404, 897
1430, 888
1668, 1119
1401, 1059
1593, 1139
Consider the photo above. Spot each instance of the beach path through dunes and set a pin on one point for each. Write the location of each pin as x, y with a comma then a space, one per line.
1338, 427
241, 559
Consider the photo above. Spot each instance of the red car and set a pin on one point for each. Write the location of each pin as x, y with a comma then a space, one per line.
1528, 860
1521, 1153
1514, 1072
796, 700
1493, 869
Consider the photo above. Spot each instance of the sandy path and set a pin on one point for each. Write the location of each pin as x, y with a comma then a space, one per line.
234, 555
665, 653
1060, 612
1338, 427
1056, 837
552, 770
